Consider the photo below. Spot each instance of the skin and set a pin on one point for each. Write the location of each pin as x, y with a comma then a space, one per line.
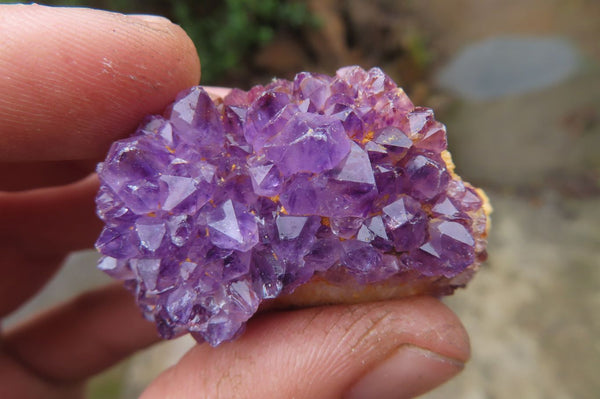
71, 82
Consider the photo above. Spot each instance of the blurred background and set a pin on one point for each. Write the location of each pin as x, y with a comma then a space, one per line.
518, 86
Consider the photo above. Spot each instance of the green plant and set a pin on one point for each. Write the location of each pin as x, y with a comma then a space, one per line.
228, 33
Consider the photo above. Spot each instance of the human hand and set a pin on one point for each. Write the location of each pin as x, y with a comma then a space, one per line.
71, 82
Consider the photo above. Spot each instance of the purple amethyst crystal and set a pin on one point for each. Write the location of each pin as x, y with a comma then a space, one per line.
219, 205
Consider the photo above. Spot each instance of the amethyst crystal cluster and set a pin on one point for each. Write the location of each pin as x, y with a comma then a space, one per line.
219, 205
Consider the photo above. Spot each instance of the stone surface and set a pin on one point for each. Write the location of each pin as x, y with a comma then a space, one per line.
510, 65
219, 205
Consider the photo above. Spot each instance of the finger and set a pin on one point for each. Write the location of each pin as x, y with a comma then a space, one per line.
401, 348
75, 79
82, 337
37, 229
51, 220
18, 382
17, 176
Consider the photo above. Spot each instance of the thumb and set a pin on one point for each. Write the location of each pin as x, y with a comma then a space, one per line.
396, 349
73, 80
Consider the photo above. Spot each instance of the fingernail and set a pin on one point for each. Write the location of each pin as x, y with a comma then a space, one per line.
409, 372
151, 18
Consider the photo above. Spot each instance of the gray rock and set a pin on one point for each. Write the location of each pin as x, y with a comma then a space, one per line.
509, 65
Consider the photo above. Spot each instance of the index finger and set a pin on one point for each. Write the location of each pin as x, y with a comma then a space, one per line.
73, 80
